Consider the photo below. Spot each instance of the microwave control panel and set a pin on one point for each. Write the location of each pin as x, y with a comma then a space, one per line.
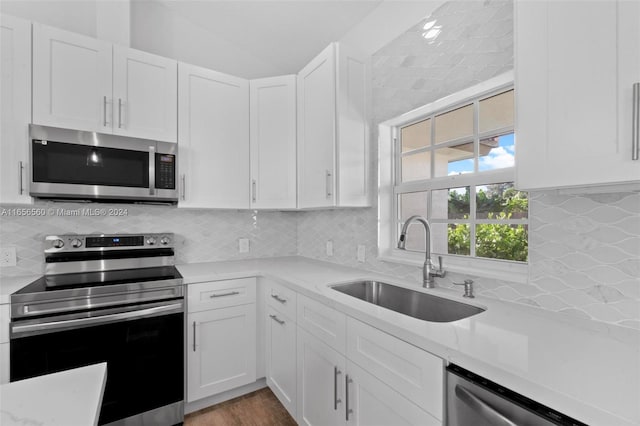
165, 171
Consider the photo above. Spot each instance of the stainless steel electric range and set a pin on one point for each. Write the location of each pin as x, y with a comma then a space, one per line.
108, 298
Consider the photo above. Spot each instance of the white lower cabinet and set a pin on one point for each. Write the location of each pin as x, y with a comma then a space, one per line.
221, 347
320, 382
281, 358
372, 402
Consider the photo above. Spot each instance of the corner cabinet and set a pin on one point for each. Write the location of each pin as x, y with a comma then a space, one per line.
15, 109
221, 342
213, 136
87, 84
333, 151
576, 66
273, 142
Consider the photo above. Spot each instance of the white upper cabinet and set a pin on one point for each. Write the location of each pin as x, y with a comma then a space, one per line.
72, 84
273, 142
15, 109
352, 128
213, 135
332, 130
576, 64
145, 94
87, 84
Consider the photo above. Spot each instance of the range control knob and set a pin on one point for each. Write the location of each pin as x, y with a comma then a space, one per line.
165, 240
75, 243
58, 243
151, 241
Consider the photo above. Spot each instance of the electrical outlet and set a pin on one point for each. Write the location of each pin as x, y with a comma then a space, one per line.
8, 256
243, 245
361, 253
330, 248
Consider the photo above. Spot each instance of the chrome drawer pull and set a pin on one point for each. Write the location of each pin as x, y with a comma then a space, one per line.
231, 293
278, 298
276, 319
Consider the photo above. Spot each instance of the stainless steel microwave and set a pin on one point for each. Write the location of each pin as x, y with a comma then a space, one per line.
72, 164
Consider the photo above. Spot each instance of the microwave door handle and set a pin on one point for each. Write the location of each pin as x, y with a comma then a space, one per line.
485, 410
152, 170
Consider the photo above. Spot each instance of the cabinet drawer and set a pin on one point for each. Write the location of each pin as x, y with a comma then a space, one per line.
281, 298
221, 294
412, 372
323, 322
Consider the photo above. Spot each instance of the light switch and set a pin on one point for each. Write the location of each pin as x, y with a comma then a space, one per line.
330, 248
361, 253
243, 245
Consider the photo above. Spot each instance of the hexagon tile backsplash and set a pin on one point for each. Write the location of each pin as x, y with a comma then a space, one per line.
201, 235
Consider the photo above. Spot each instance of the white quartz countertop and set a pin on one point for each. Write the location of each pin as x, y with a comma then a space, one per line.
9, 285
68, 398
587, 370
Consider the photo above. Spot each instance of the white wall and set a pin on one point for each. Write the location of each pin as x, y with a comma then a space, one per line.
180, 39
106, 20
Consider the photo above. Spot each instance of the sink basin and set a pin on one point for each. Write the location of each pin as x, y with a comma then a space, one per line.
408, 302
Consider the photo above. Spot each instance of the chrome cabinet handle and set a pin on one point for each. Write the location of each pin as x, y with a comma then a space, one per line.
328, 183
348, 410
104, 109
276, 319
635, 130
253, 191
278, 298
20, 170
496, 418
194, 336
119, 113
184, 187
336, 400
231, 293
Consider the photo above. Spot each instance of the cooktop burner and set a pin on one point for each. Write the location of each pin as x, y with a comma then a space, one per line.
98, 279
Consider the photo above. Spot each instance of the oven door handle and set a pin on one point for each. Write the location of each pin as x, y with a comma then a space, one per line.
17, 329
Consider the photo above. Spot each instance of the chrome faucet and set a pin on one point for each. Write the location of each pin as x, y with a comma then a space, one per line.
428, 269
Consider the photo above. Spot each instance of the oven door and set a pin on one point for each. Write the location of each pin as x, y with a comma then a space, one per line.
142, 346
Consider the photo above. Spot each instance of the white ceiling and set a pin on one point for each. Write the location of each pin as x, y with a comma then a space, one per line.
284, 34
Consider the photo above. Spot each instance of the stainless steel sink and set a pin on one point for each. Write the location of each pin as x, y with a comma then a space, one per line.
408, 302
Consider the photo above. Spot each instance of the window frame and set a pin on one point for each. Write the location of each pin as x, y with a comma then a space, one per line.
390, 154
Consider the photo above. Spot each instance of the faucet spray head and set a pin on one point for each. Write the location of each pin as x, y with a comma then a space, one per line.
401, 241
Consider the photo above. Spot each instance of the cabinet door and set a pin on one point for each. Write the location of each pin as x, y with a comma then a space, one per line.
320, 382
317, 131
145, 95
353, 132
15, 109
568, 94
371, 402
273, 142
221, 350
281, 358
72, 85
213, 133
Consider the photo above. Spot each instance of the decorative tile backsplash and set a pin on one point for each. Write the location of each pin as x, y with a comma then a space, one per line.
201, 235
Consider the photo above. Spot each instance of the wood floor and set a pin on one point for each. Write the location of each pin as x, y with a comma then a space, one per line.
259, 408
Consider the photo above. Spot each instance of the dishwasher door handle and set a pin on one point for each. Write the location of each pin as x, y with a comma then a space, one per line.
485, 410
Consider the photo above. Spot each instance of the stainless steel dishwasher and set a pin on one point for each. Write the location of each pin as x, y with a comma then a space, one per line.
475, 401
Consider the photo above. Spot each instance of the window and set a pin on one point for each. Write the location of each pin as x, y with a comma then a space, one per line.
453, 163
